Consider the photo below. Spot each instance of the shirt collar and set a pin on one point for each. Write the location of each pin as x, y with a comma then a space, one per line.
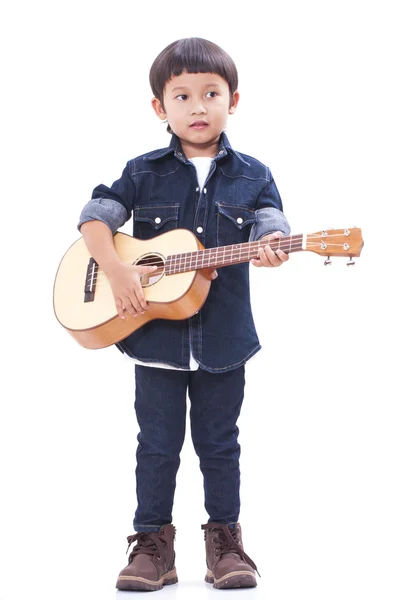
225, 148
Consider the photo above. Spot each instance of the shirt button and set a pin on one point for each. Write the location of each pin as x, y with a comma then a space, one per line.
205, 191
157, 220
239, 220
221, 152
179, 153
197, 189
199, 230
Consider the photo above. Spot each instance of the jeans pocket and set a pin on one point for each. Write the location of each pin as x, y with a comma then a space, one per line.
150, 221
233, 223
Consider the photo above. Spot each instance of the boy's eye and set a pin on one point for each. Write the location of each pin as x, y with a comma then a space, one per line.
182, 97
211, 94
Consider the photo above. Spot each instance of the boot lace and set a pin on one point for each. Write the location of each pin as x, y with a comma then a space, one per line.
227, 540
147, 543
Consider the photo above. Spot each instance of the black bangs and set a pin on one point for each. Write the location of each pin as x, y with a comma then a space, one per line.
193, 55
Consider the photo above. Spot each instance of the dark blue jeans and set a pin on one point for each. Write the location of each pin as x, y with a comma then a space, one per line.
160, 404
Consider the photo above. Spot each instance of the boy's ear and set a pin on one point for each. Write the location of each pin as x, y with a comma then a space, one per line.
235, 100
158, 109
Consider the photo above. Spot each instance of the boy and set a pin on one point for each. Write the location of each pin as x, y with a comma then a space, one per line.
199, 183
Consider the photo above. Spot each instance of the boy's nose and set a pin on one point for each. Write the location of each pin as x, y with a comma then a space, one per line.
198, 109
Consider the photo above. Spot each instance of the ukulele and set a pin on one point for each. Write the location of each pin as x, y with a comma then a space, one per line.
84, 303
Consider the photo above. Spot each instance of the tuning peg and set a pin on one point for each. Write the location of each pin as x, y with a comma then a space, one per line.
351, 262
328, 261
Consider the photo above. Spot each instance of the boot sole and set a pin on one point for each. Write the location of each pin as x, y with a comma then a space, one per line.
132, 583
236, 579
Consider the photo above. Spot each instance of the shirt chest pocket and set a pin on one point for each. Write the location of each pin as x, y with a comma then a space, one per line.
155, 220
233, 224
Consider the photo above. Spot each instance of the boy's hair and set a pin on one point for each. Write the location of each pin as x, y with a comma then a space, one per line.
193, 55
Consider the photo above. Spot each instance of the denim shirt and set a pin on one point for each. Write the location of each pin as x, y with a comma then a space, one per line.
239, 202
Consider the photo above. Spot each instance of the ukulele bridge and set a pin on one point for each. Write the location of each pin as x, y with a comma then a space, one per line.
91, 278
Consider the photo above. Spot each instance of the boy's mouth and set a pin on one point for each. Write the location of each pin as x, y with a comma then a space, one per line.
198, 125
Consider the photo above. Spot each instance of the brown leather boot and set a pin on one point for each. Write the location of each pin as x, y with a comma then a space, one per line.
151, 563
228, 566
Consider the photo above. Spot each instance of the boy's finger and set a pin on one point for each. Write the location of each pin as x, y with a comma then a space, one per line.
263, 258
141, 299
257, 262
120, 310
132, 305
282, 255
272, 257
146, 269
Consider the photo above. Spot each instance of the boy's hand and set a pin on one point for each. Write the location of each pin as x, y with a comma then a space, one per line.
127, 288
269, 258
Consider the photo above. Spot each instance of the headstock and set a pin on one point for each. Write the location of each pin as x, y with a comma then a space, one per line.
335, 242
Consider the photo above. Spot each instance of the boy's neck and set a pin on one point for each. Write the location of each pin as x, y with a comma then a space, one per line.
192, 150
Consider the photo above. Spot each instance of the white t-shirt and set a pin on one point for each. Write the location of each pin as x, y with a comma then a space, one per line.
202, 164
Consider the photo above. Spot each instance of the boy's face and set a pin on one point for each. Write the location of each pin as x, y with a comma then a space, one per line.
197, 106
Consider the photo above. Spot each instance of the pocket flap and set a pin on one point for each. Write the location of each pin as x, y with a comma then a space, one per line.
239, 215
157, 215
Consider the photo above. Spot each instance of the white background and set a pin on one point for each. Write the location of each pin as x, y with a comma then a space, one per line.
320, 423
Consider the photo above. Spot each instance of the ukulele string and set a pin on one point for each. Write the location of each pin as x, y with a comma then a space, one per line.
181, 260
176, 260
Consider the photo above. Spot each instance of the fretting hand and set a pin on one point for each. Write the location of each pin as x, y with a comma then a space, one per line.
268, 257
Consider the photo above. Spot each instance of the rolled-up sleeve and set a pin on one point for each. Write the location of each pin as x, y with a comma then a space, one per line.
269, 212
111, 205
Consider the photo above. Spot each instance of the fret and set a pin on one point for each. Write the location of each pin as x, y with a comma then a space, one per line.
213, 256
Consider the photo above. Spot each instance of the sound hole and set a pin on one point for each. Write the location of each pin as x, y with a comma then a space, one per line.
150, 260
